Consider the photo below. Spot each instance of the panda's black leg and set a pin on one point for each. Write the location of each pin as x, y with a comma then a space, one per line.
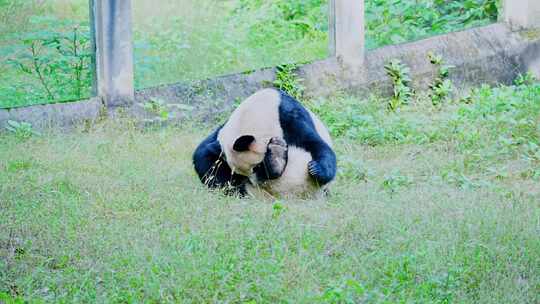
274, 162
323, 167
206, 159
213, 170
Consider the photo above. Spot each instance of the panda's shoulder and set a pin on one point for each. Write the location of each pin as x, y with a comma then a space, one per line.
292, 112
267, 96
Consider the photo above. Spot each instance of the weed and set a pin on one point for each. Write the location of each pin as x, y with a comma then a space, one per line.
158, 107
337, 295
394, 181
8, 299
401, 81
456, 177
278, 209
442, 87
22, 130
288, 81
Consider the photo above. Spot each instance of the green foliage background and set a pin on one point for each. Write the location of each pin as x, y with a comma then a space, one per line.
186, 39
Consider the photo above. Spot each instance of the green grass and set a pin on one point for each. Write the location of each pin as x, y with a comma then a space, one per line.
431, 205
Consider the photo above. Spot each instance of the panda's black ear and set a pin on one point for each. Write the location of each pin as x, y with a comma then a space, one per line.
242, 143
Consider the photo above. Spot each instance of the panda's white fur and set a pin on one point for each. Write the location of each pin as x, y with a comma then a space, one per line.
259, 116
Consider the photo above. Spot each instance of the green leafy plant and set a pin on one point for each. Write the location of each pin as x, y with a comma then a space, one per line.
399, 73
442, 87
532, 151
21, 130
288, 81
158, 107
338, 295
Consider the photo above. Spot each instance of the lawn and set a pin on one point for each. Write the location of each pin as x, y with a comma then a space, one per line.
432, 204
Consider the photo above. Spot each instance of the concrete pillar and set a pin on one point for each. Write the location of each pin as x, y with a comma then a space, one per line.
522, 14
346, 26
113, 45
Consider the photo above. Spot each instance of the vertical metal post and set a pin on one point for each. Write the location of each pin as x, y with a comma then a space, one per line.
113, 45
346, 26
522, 14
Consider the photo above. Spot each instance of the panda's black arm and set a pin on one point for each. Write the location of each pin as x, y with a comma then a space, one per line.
212, 168
299, 130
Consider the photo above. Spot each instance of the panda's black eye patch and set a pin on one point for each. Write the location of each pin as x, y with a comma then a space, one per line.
242, 143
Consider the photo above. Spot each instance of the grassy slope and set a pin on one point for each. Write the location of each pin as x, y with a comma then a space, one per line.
447, 211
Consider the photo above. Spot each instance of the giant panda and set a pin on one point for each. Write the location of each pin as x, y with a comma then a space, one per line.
270, 146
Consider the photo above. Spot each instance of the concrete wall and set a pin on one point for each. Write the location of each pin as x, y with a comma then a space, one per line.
488, 55
54, 115
491, 54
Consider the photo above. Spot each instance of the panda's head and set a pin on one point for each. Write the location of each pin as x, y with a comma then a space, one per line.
246, 153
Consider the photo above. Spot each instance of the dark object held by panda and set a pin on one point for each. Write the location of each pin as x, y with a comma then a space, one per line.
256, 141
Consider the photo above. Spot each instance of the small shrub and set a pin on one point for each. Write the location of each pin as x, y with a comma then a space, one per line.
525, 79
57, 57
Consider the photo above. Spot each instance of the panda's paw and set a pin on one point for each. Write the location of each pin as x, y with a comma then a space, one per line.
276, 157
317, 171
277, 148
277, 143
